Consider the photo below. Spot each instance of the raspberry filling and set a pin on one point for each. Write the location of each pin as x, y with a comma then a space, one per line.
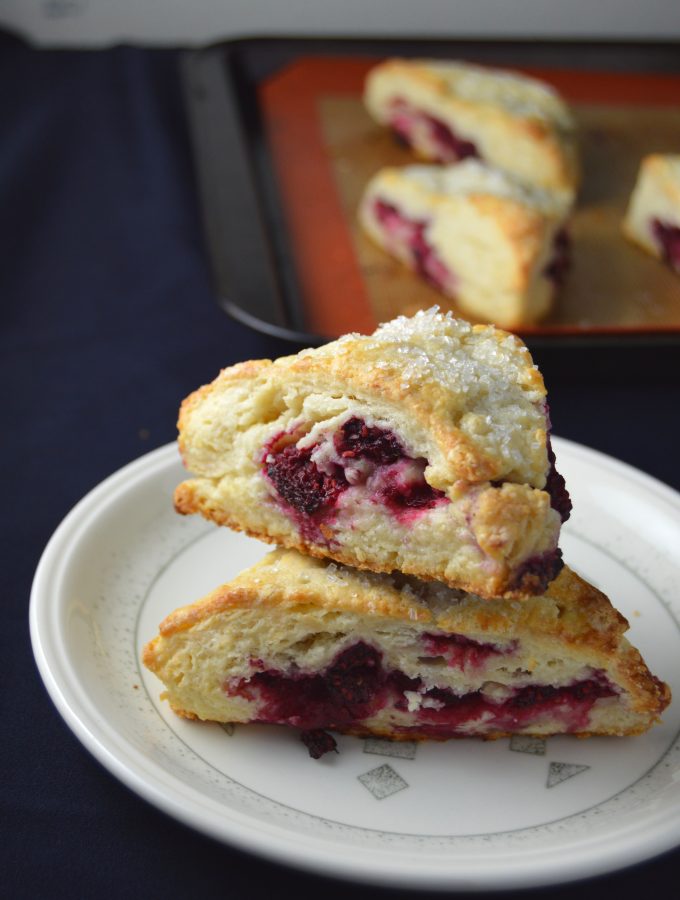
408, 233
556, 486
318, 742
536, 573
353, 687
369, 460
357, 440
560, 262
356, 686
300, 482
404, 488
460, 652
668, 239
443, 143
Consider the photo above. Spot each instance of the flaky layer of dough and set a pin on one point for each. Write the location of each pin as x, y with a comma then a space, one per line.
494, 236
466, 399
293, 615
516, 123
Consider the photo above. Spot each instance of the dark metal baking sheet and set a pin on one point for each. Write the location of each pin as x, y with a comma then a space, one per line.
245, 221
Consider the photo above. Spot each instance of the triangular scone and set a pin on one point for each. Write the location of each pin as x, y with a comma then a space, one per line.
422, 448
498, 247
653, 216
447, 111
301, 642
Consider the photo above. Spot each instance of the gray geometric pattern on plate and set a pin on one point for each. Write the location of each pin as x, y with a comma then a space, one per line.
400, 749
561, 771
525, 743
383, 782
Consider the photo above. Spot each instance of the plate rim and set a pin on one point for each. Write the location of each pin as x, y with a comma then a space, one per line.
126, 763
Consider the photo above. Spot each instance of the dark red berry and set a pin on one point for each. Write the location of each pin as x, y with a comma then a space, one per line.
298, 480
318, 742
312, 492
358, 440
355, 687
535, 574
556, 486
452, 147
587, 690
460, 651
532, 695
387, 214
540, 694
425, 261
355, 675
668, 237
560, 262
411, 495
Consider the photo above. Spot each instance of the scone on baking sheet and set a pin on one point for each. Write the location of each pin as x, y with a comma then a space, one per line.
448, 111
306, 643
421, 448
653, 217
498, 247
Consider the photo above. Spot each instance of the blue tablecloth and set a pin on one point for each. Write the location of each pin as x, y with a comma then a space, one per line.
108, 320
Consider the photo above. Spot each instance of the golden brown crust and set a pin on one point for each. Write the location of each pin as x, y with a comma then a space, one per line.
572, 609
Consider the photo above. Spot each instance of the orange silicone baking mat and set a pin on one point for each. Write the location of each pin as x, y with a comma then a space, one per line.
325, 148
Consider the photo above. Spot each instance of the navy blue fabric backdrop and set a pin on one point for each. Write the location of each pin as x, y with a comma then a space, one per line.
108, 319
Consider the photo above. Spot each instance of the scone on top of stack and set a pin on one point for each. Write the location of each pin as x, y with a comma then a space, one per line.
653, 216
421, 450
496, 245
448, 111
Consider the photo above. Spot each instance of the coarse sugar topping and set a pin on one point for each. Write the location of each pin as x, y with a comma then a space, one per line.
473, 177
481, 379
519, 94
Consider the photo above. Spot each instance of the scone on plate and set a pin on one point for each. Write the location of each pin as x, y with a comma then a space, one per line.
306, 643
448, 111
495, 245
422, 448
653, 216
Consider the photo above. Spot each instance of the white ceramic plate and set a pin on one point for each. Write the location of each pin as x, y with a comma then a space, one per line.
462, 814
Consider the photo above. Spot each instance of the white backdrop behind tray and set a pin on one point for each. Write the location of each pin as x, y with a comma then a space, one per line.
178, 22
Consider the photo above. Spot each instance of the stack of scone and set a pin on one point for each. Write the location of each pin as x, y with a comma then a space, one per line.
418, 590
485, 222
